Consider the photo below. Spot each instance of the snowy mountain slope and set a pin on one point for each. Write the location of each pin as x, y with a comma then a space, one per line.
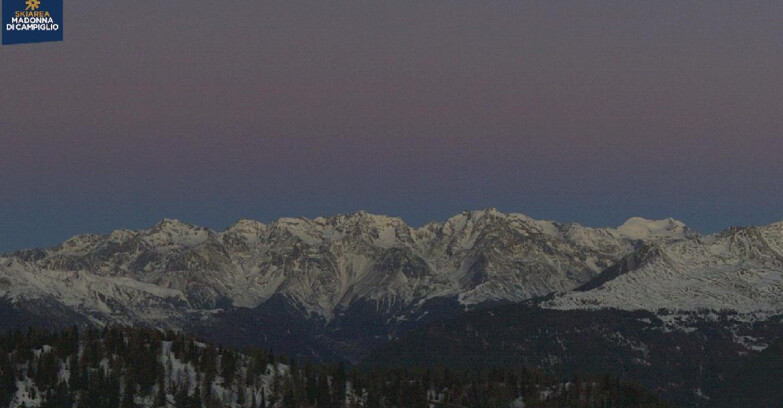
643, 229
739, 269
176, 272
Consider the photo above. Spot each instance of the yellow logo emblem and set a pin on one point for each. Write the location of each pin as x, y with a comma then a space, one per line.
32, 4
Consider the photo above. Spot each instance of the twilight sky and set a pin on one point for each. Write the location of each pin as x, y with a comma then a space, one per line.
212, 111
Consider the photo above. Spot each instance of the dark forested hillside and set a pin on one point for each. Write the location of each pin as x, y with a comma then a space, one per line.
125, 368
691, 364
758, 382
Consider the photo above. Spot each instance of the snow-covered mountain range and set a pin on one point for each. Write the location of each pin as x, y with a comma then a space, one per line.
175, 275
739, 269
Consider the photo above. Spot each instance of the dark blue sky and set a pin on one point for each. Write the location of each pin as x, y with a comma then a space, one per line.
574, 111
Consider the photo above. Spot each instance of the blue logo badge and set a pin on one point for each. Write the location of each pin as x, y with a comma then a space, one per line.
32, 21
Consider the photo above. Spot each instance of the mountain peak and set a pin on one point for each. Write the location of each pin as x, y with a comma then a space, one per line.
476, 214
169, 223
636, 220
644, 229
368, 215
246, 225
485, 211
80, 242
174, 231
366, 218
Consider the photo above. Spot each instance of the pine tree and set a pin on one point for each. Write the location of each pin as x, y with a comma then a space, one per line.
311, 389
46, 371
323, 397
339, 385
228, 366
128, 397
7, 380
160, 397
181, 397
58, 397
196, 401
240, 395
111, 390
288, 399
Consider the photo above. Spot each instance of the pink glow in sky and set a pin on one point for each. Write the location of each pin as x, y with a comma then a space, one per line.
575, 111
